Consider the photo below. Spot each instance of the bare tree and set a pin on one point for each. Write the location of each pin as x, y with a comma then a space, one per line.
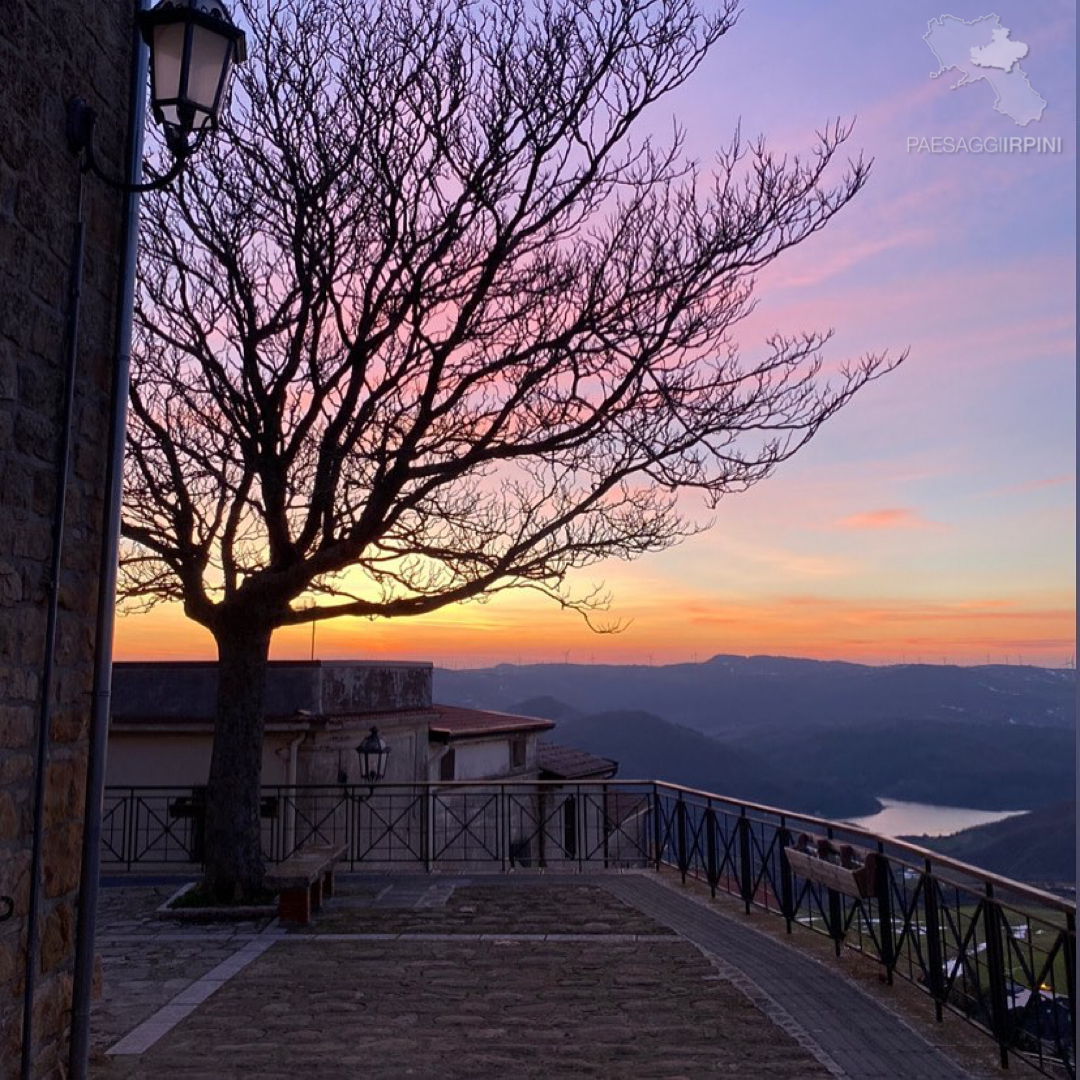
428, 322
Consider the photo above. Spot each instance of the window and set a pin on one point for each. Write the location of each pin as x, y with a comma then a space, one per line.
517, 752
446, 765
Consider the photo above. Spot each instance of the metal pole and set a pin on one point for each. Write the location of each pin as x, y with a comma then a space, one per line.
995, 964
787, 892
680, 837
657, 835
934, 959
883, 888
746, 872
71, 357
712, 867
106, 602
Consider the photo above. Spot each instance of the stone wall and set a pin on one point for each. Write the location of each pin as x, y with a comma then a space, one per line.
187, 690
49, 52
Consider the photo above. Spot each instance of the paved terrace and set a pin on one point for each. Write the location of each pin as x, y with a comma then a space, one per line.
615, 975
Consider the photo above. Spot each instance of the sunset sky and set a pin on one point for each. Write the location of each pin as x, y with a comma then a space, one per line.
934, 519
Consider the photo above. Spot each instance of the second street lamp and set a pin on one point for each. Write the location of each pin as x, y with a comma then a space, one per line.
373, 752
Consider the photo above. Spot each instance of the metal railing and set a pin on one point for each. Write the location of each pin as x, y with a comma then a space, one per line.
999, 953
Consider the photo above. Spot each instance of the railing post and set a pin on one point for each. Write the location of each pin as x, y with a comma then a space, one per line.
657, 833
787, 892
680, 836
1069, 946
746, 870
129, 828
502, 827
353, 804
424, 795
432, 799
712, 868
1070, 969
836, 911
995, 963
934, 960
543, 805
604, 822
883, 888
579, 826
288, 843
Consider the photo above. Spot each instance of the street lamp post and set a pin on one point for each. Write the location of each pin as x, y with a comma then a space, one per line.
193, 46
373, 752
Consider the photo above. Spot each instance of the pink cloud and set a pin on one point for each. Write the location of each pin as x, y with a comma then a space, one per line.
893, 518
1060, 480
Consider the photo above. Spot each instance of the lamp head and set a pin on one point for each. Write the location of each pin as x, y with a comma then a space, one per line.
373, 752
193, 47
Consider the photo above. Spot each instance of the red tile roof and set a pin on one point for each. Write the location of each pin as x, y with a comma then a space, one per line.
566, 763
454, 722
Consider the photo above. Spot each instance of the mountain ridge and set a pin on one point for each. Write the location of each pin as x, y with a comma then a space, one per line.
828, 737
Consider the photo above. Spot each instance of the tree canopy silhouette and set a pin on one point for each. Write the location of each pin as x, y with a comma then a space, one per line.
430, 320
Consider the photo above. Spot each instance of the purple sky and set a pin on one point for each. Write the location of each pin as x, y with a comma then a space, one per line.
934, 517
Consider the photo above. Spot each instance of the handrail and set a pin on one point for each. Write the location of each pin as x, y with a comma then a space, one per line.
1032, 892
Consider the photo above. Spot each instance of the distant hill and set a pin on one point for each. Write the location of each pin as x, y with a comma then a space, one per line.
736, 695
946, 763
647, 746
1036, 847
810, 735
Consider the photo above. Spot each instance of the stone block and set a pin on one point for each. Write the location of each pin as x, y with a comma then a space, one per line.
16, 726
69, 725
15, 768
61, 857
9, 818
58, 937
65, 785
9, 383
11, 959
52, 1003
11, 586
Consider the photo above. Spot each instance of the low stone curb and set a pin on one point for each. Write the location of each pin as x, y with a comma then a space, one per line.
210, 914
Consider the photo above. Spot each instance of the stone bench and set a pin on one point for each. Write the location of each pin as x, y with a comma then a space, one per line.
844, 867
303, 879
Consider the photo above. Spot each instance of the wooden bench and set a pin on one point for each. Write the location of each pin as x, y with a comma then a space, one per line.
847, 869
303, 879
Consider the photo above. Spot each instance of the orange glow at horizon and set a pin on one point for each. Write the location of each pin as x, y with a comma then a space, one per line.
516, 629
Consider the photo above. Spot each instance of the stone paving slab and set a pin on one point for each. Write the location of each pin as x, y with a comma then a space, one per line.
414, 907
328, 1009
142, 975
530, 975
849, 1032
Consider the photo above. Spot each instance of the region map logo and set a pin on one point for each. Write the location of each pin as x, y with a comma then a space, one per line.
983, 51
985, 56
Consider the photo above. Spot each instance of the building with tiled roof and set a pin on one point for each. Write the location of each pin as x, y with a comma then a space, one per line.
316, 714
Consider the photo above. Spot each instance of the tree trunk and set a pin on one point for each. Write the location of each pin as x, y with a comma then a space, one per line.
234, 863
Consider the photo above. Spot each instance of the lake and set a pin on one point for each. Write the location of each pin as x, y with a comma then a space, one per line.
898, 818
